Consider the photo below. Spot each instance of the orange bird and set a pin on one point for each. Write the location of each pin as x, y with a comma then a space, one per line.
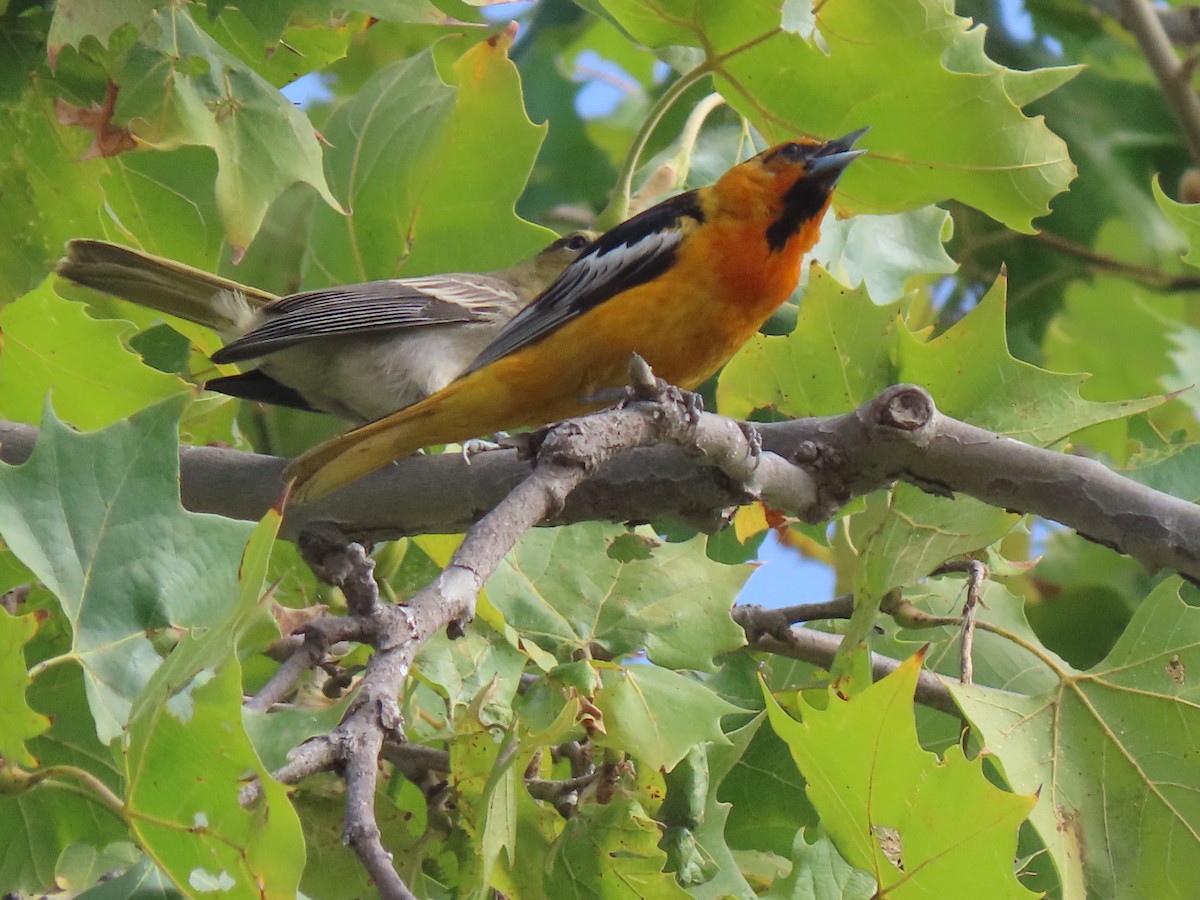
684, 284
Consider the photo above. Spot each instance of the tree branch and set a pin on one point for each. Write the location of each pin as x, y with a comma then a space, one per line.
1173, 76
898, 435
565, 458
1181, 24
820, 647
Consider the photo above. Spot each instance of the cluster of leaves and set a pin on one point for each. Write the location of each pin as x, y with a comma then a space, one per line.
134, 628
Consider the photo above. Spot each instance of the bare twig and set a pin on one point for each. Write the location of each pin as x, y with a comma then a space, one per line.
819, 649
759, 620
316, 638
977, 574
1140, 18
1151, 277
1181, 24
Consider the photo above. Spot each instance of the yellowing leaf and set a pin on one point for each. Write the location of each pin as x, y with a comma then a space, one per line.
923, 827
1112, 751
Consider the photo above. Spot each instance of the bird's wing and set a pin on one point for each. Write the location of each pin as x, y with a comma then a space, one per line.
369, 307
633, 253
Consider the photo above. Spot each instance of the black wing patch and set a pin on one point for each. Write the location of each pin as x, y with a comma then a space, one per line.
636, 251
373, 306
260, 387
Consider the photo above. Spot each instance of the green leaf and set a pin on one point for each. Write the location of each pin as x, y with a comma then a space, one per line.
185, 730
697, 822
1185, 217
463, 667
888, 66
819, 873
765, 795
658, 715
560, 589
885, 252
18, 722
922, 827
973, 376
97, 518
406, 152
179, 87
37, 826
610, 852
838, 356
1110, 750
52, 345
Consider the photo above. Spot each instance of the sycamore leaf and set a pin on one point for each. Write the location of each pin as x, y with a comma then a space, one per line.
884, 252
820, 873
973, 376
696, 836
185, 730
51, 346
38, 826
838, 355
921, 826
610, 852
18, 722
656, 714
889, 66
179, 87
97, 518
560, 589
1111, 751
1185, 217
406, 153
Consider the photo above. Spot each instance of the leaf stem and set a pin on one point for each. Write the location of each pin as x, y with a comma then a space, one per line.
618, 206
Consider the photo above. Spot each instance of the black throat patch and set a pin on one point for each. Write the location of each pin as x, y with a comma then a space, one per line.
804, 200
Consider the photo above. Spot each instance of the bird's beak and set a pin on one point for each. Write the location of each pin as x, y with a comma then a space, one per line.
832, 157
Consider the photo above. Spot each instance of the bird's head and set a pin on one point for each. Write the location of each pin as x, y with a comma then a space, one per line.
799, 177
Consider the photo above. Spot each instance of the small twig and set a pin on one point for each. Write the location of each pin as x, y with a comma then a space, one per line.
1151, 277
819, 649
977, 574
759, 620
1140, 18
1181, 23
315, 640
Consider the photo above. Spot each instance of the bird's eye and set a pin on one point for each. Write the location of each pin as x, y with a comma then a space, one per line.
793, 152
575, 241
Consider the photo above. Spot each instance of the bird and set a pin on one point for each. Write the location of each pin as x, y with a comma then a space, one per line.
683, 284
357, 351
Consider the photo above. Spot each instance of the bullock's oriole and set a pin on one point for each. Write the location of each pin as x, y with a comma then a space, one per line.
684, 284
359, 351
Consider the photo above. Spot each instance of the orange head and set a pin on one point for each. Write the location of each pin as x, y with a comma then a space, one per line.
788, 186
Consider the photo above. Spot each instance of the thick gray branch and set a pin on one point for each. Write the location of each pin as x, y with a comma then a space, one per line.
898, 435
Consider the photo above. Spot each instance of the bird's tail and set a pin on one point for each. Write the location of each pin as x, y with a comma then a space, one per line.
463, 409
161, 284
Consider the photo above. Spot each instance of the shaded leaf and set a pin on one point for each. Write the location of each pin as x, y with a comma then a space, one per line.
610, 852
18, 722
97, 518
561, 589
405, 153
658, 715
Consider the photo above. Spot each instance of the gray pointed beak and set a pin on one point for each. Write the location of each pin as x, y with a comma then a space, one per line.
832, 157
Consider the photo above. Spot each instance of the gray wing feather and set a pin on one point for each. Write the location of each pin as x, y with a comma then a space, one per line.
374, 306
